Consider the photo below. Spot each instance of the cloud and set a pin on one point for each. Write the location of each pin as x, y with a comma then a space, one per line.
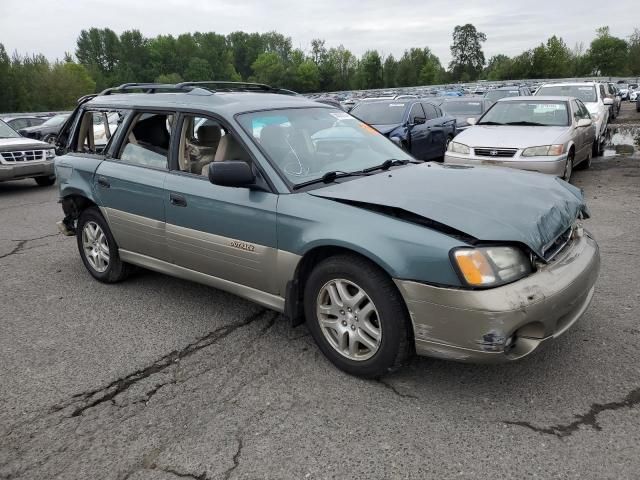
511, 26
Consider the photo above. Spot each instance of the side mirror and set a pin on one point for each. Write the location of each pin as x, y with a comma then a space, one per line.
231, 173
584, 122
607, 101
418, 120
472, 120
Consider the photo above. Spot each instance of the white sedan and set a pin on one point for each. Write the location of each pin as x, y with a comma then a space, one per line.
543, 134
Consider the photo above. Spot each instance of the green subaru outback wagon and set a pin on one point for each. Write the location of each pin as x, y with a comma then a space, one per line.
302, 208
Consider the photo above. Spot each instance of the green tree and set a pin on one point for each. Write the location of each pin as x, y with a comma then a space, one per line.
198, 70
269, 68
389, 71
466, 51
6, 84
418, 66
608, 54
370, 70
633, 63
168, 78
498, 68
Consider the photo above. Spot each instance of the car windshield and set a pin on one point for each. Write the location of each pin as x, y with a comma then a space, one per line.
462, 108
56, 120
305, 143
586, 93
498, 94
6, 131
527, 113
379, 113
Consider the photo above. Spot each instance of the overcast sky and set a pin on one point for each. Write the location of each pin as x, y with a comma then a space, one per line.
52, 26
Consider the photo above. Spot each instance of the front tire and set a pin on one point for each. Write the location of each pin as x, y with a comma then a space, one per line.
356, 316
46, 181
568, 168
98, 248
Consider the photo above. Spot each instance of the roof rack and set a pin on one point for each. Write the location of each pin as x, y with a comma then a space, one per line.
147, 88
223, 86
212, 86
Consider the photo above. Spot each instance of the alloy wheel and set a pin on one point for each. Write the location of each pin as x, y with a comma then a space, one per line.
349, 319
95, 246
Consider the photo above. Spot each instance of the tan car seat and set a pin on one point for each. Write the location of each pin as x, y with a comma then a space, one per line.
202, 153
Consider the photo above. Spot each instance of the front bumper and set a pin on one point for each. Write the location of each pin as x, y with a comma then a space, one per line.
549, 165
26, 170
509, 322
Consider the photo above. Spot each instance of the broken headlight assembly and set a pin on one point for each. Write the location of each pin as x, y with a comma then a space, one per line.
491, 266
456, 147
50, 154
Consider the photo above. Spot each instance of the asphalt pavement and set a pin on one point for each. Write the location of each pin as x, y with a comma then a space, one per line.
159, 378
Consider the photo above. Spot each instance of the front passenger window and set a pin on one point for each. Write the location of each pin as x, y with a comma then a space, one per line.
148, 140
203, 141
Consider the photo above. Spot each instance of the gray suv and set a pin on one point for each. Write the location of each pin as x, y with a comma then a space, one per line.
25, 158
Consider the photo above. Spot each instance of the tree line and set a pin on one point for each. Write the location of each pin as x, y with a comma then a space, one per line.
103, 58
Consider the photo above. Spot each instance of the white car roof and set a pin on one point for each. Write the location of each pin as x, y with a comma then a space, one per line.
571, 84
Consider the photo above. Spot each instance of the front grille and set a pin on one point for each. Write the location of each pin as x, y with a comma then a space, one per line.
495, 152
558, 245
23, 156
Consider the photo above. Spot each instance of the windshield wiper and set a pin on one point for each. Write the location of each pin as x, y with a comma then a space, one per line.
330, 177
525, 123
490, 123
387, 164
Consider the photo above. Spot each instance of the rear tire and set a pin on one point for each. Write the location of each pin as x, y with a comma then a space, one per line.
337, 322
586, 163
98, 249
45, 181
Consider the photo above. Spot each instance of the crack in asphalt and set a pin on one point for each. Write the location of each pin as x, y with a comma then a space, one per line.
236, 459
393, 388
590, 418
22, 243
113, 389
202, 476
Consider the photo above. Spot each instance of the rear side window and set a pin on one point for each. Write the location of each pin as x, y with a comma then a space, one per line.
431, 111
148, 140
95, 130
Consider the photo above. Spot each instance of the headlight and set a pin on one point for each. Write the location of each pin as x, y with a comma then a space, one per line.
456, 147
50, 153
543, 151
491, 266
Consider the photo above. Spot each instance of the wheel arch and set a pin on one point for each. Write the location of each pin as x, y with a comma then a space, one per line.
73, 204
294, 306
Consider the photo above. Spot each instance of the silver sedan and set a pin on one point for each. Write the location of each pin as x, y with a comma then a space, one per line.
543, 134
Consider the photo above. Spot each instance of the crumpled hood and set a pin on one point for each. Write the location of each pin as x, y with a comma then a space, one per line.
504, 136
21, 143
490, 204
386, 129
